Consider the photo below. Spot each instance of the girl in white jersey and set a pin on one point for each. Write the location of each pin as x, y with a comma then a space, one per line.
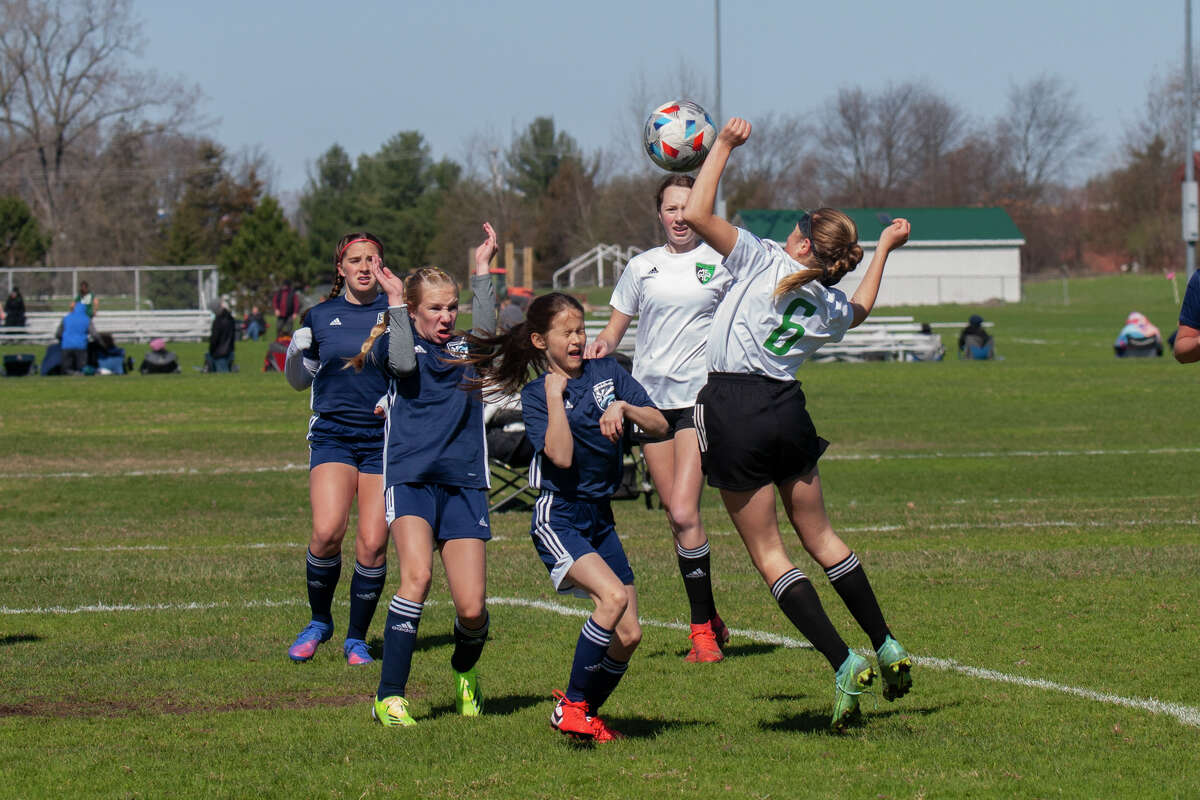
751, 420
674, 290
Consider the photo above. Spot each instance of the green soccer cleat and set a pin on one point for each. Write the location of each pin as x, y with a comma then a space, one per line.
392, 712
852, 679
895, 665
468, 699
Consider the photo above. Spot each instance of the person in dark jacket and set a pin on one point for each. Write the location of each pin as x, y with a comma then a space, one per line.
974, 341
14, 309
221, 341
73, 334
159, 359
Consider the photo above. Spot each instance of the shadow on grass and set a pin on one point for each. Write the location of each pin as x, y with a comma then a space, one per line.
19, 638
498, 706
818, 722
730, 651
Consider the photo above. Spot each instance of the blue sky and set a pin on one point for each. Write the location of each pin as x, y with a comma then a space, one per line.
294, 77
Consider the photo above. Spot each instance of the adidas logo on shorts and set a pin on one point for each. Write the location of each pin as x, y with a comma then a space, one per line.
483, 522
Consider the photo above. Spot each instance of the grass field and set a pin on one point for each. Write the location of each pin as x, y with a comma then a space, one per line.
1030, 526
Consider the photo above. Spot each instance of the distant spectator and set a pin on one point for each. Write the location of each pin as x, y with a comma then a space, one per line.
255, 324
1187, 338
1139, 337
86, 297
73, 334
511, 314
974, 342
159, 359
287, 308
14, 309
221, 341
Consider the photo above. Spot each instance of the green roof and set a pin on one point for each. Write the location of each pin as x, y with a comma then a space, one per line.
928, 224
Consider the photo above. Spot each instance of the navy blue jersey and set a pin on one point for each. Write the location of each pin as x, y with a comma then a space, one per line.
595, 470
339, 329
1189, 312
435, 427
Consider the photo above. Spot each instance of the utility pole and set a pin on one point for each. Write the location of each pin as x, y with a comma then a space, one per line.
1190, 208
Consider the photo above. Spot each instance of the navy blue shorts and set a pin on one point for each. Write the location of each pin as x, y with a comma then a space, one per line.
332, 442
565, 530
454, 512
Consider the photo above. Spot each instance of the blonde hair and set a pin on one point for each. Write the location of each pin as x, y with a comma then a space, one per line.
835, 248
414, 288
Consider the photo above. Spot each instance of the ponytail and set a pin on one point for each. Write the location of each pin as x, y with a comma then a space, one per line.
835, 249
507, 361
359, 361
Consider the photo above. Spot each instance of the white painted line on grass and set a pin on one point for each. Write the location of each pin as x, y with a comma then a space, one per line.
1184, 714
185, 471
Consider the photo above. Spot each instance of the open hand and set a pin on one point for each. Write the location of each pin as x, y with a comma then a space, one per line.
392, 284
485, 251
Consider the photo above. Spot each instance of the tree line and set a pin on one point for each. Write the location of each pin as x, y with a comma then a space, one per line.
100, 164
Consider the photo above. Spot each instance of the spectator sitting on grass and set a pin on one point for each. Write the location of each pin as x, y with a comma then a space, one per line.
974, 341
159, 359
255, 324
1138, 336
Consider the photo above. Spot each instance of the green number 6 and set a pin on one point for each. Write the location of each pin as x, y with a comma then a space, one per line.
789, 332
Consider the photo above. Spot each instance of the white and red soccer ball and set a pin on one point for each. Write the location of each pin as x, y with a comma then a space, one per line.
678, 135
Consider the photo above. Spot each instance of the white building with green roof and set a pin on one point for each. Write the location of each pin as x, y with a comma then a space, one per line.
954, 255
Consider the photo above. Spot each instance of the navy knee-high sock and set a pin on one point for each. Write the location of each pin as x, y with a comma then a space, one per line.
604, 681
850, 581
322, 575
589, 652
468, 644
365, 588
798, 599
399, 641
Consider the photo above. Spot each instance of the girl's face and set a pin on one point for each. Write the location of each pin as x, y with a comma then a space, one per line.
435, 316
355, 268
680, 238
564, 342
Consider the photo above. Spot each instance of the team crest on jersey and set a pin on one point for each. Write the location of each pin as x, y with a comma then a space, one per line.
604, 394
458, 346
705, 272
379, 318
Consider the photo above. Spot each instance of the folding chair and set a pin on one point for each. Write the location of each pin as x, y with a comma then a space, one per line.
509, 455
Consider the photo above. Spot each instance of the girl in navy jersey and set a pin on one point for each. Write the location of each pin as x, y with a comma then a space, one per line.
674, 290
575, 413
435, 473
754, 430
346, 446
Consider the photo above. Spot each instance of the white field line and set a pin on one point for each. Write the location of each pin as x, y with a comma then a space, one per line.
184, 471
1184, 714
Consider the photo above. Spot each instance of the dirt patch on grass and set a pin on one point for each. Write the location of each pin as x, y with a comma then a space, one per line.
172, 705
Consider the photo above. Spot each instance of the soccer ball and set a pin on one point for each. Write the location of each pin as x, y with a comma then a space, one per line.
678, 135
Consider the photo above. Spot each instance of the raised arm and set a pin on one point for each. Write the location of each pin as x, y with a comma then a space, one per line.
893, 237
698, 213
483, 292
402, 359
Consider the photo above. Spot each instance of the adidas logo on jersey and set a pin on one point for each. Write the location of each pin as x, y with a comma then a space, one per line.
696, 573
418, 349
404, 627
567, 404
335, 322
653, 271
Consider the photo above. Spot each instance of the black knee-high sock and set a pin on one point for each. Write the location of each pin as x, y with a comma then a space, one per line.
799, 600
322, 575
694, 566
366, 585
848, 577
468, 644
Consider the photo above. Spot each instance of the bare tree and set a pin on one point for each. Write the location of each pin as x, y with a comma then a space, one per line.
1043, 135
66, 82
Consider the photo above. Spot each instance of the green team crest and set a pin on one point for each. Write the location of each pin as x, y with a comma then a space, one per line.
705, 272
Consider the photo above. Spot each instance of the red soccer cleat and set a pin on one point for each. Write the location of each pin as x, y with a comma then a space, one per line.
705, 649
570, 718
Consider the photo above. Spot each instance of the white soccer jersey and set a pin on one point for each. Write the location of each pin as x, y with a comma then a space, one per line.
674, 296
755, 333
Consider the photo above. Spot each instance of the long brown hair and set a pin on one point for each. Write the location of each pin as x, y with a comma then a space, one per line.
504, 362
414, 288
835, 248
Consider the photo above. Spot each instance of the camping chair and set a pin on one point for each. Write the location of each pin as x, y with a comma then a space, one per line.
1141, 347
276, 355
976, 349
20, 364
509, 455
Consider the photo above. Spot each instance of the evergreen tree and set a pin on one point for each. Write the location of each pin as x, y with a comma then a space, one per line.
264, 252
22, 242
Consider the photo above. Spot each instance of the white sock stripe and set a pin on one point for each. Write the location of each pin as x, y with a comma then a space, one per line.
473, 633
371, 572
334, 561
785, 582
615, 667
849, 564
595, 634
698, 552
406, 608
